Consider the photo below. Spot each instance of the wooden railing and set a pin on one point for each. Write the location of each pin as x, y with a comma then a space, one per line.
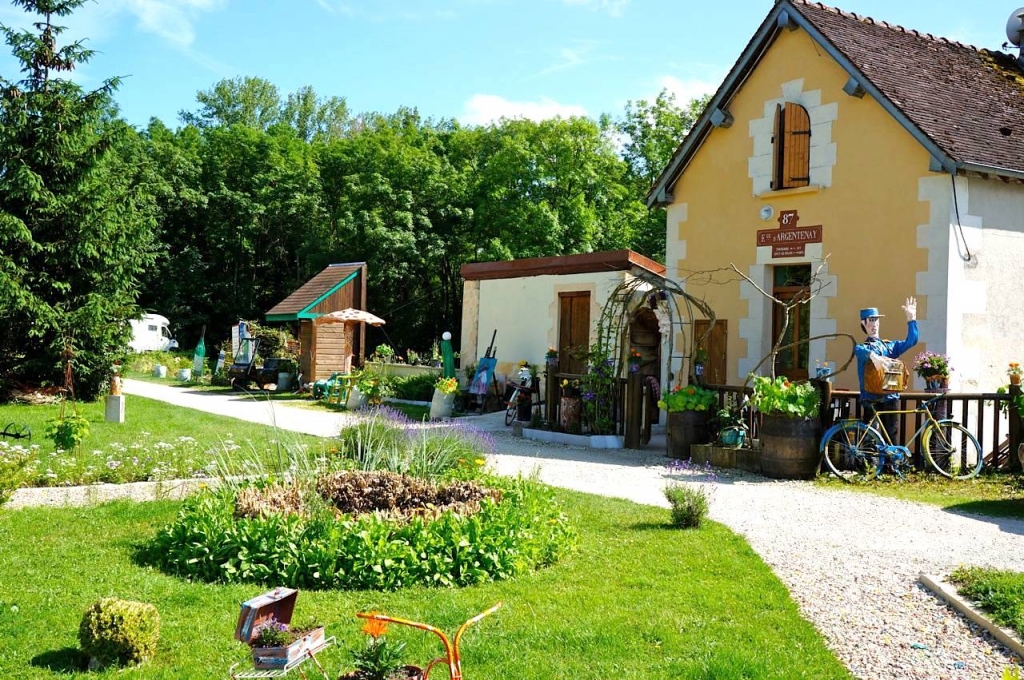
1000, 436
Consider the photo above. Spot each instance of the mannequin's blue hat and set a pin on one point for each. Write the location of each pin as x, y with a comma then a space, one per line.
869, 312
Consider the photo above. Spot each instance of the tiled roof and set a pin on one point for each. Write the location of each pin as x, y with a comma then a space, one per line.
970, 102
965, 105
315, 288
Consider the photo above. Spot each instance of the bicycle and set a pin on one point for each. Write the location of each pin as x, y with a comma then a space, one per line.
858, 452
522, 388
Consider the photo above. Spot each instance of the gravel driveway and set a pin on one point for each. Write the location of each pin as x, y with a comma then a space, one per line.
850, 560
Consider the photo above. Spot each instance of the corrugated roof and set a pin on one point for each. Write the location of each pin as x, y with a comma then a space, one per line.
316, 288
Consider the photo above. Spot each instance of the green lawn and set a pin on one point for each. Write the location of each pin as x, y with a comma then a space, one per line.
1000, 593
638, 600
156, 441
996, 495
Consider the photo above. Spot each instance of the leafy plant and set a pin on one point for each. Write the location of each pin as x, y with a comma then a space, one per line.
13, 462
68, 431
379, 659
689, 505
784, 398
1015, 400
688, 398
415, 387
384, 353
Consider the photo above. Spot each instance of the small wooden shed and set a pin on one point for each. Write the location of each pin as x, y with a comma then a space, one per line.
326, 348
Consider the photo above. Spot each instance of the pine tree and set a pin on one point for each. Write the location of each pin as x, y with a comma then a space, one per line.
77, 215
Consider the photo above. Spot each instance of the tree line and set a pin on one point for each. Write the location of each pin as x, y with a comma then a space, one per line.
253, 193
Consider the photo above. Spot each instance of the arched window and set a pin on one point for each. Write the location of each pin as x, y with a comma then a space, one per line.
791, 164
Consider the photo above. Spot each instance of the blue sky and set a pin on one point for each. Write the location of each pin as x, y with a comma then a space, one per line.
473, 60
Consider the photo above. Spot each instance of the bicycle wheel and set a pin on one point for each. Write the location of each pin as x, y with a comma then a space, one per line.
851, 451
952, 450
510, 412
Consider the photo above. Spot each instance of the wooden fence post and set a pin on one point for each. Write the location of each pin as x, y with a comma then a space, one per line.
1015, 429
634, 411
551, 392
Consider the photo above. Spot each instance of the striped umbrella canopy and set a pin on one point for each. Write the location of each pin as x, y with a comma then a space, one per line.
351, 315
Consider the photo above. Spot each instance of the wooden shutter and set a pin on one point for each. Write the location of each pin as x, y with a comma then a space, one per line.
573, 330
791, 147
716, 346
796, 171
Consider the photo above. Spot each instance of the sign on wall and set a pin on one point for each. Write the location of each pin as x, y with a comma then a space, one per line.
790, 239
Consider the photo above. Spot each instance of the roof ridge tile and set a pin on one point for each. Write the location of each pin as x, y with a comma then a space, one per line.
864, 19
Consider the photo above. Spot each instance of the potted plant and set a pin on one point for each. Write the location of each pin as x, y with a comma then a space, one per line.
443, 401
633, 360
275, 644
384, 354
732, 431
790, 428
1014, 371
569, 407
380, 659
935, 370
551, 357
688, 409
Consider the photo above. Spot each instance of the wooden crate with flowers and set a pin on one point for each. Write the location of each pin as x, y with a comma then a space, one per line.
264, 624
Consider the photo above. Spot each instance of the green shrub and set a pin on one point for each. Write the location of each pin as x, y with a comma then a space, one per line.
524, 531
689, 505
415, 387
374, 443
119, 632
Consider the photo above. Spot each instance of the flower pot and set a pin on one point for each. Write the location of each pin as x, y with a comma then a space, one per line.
441, 405
159, 371
284, 382
732, 436
524, 409
569, 414
936, 383
686, 428
356, 400
184, 374
410, 673
1015, 380
790, 447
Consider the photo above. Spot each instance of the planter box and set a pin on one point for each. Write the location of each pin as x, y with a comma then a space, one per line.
726, 457
266, 658
593, 441
402, 370
277, 604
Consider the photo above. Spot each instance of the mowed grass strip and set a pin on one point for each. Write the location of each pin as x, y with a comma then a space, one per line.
1000, 593
156, 441
637, 600
991, 494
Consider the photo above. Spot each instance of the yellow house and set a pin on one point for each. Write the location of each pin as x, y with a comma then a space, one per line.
872, 161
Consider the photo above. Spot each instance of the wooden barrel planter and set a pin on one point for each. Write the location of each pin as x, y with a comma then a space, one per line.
686, 428
790, 447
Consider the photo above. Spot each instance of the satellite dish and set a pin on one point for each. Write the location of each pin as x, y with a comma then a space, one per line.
1015, 27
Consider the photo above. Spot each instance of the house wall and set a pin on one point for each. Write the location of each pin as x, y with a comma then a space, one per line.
880, 231
991, 313
525, 313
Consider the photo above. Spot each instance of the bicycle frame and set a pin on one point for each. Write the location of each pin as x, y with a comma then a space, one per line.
876, 422
451, 648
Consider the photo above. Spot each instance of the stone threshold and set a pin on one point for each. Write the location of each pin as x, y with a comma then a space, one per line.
947, 592
592, 441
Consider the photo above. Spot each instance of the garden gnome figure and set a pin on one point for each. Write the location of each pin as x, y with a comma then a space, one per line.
448, 369
870, 322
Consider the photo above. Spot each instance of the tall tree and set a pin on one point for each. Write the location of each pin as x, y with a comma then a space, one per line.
249, 101
650, 133
76, 216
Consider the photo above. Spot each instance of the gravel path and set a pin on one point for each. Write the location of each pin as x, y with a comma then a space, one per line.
850, 560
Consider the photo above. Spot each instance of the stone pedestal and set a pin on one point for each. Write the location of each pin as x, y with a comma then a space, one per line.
115, 408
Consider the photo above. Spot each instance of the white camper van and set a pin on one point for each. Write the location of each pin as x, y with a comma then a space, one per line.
152, 333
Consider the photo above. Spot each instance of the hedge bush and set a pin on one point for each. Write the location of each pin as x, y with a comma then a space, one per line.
415, 387
525, 530
119, 632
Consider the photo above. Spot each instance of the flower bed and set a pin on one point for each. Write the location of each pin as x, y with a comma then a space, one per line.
301, 538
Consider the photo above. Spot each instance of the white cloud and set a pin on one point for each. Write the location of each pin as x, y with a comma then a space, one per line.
482, 109
172, 20
686, 89
613, 7
571, 57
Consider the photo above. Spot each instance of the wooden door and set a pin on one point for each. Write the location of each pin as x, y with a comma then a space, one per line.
792, 283
573, 331
714, 348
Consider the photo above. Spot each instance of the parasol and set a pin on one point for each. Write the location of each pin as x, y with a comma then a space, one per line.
351, 315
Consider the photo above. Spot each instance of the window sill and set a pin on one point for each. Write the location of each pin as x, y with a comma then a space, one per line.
782, 193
